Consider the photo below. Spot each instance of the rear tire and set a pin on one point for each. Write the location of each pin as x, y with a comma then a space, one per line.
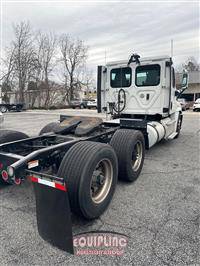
90, 171
3, 109
11, 135
129, 146
49, 128
19, 108
8, 136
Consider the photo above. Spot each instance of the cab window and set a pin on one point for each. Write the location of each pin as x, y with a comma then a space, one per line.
148, 75
120, 77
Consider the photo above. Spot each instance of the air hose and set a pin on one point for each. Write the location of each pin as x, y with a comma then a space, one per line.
116, 106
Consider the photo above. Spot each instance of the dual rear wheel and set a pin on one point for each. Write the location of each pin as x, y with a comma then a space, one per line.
129, 146
91, 170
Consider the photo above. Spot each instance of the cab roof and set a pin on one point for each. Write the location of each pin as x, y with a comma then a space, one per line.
142, 59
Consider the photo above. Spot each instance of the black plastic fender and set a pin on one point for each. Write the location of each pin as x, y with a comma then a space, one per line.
54, 216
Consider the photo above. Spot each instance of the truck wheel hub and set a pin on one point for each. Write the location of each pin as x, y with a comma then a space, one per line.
101, 180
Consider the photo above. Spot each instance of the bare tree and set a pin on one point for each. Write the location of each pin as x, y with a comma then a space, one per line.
46, 49
191, 64
36, 58
7, 73
25, 61
8, 65
73, 57
88, 81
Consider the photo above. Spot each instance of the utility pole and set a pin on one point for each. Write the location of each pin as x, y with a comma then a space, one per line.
172, 47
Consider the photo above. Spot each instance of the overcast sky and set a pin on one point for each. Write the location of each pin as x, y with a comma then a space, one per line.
119, 28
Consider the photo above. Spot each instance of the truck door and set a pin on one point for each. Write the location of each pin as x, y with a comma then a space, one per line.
119, 78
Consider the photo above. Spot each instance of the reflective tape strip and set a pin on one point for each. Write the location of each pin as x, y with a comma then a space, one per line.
61, 187
34, 179
48, 183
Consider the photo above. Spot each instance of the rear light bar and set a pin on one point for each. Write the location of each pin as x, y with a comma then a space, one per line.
14, 179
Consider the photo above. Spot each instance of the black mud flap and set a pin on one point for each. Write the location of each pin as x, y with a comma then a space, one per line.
54, 216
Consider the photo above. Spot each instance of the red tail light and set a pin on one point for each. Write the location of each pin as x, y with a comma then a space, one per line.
17, 181
1, 166
4, 175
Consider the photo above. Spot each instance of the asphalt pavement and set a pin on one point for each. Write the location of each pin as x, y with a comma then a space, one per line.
160, 212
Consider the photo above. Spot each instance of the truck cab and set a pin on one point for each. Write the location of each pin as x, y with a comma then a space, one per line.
147, 87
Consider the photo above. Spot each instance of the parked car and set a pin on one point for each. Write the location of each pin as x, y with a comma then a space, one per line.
196, 105
77, 103
4, 107
184, 104
84, 103
92, 103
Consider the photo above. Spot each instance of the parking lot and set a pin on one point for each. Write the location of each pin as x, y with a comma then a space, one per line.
160, 212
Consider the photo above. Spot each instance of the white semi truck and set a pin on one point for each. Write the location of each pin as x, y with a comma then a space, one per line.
143, 89
74, 164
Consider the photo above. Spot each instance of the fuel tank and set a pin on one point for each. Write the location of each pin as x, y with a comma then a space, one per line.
160, 130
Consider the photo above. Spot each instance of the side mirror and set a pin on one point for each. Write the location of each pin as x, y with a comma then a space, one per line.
184, 84
185, 79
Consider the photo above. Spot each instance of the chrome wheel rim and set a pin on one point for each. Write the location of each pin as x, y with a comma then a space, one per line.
101, 181
137, 155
